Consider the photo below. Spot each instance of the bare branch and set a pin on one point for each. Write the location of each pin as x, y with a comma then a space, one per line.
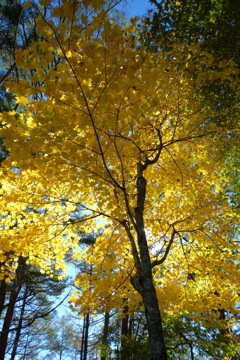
6, 75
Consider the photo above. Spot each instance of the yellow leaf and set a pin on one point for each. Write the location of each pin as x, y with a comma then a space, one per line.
22, 100
27, 4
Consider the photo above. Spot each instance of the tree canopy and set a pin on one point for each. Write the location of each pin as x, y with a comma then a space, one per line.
121, 132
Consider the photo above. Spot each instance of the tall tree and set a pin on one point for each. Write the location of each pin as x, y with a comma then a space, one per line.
214, 25
124, 133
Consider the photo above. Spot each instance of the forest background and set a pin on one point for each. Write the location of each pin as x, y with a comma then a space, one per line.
119, 156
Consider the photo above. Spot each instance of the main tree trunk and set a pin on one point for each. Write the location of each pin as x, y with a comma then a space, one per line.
144, 285
143, 280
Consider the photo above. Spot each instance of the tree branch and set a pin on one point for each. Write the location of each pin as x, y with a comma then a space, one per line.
6, 75
158, 262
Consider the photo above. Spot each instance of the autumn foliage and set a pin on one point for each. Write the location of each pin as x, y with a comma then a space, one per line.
107, 127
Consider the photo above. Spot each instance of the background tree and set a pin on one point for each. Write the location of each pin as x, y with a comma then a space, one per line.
28, 298
214, 26
18, 30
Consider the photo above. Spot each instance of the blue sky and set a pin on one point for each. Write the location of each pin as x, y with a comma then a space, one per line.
136, 7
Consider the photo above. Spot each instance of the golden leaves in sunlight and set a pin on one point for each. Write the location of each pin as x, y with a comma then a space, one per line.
95, 107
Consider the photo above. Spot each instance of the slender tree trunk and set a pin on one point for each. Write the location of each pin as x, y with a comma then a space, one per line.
137, 327
16, 287
125, 320
131, 325
143, 280
125, 330
191, 351
84, 346
83, 337
3, 283
86, 337
105, 336
19, 327
8, 320
3, 290
25, 348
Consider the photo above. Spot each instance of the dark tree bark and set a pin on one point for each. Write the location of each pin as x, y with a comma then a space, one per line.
83, 336
85, 333
15, 289
143, 280
3, 290
86, 337
105, 336
3, 283
144, 285
125, 320
125, 329
19, 326
8, 319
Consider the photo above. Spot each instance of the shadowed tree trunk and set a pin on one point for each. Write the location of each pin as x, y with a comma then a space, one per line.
15, 289
105, 336
85, 333
3, 290
143, 280
19, 326
125, 329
